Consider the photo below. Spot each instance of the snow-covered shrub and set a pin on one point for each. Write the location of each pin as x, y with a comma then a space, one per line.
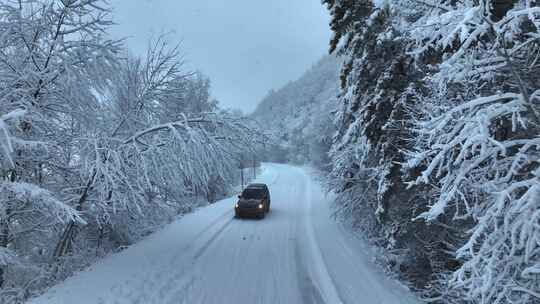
27, 213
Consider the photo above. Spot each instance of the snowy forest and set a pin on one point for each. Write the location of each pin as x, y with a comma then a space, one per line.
436, 155
97, 147
434, 149
423, 123
296, 116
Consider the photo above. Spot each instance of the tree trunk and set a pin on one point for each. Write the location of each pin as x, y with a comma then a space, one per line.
100, 240
4, 237
65, 243
4, 229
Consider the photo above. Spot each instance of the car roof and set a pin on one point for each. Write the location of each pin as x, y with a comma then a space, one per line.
257, 185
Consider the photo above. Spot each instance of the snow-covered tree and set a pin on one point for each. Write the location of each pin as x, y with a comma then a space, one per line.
380, 83
450, 89
140, 158
479, 141
298, 115
50, 55
97, 148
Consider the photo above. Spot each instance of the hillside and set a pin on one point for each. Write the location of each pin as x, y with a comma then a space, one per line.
298, 114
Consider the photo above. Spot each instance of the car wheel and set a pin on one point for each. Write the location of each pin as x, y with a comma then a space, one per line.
261, 216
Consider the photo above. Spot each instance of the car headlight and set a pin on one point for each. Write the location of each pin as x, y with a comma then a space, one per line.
236, 206
260, 206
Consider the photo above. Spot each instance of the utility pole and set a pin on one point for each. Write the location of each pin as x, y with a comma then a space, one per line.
254, 167
241, 166
242, 177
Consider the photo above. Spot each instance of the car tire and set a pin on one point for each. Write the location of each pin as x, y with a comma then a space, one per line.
261, 216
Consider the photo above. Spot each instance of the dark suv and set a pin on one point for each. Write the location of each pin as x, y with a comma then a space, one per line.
254, 201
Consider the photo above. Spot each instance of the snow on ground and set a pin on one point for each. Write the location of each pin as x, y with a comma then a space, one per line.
297, 254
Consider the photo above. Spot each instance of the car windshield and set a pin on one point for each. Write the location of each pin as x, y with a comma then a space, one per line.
253, 193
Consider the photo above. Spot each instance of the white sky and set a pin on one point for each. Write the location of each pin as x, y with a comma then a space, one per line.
246, 47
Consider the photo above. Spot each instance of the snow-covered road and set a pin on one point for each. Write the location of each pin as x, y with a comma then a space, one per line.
297, 254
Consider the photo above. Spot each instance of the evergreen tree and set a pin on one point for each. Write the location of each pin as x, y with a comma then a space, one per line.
444, 94
379, 85
479, 141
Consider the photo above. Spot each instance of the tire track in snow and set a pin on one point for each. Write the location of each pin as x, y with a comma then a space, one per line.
214, 236
320, 273
188, 278
207, 228
309, 292
307, 289
183, 281
178, 281
277, 175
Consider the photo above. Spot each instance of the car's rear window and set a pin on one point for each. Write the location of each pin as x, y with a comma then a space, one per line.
253, 193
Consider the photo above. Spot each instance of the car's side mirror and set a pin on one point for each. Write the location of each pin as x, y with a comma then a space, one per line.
240, 196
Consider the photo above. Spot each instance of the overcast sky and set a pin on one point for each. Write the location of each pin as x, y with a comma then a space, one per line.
246, 47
